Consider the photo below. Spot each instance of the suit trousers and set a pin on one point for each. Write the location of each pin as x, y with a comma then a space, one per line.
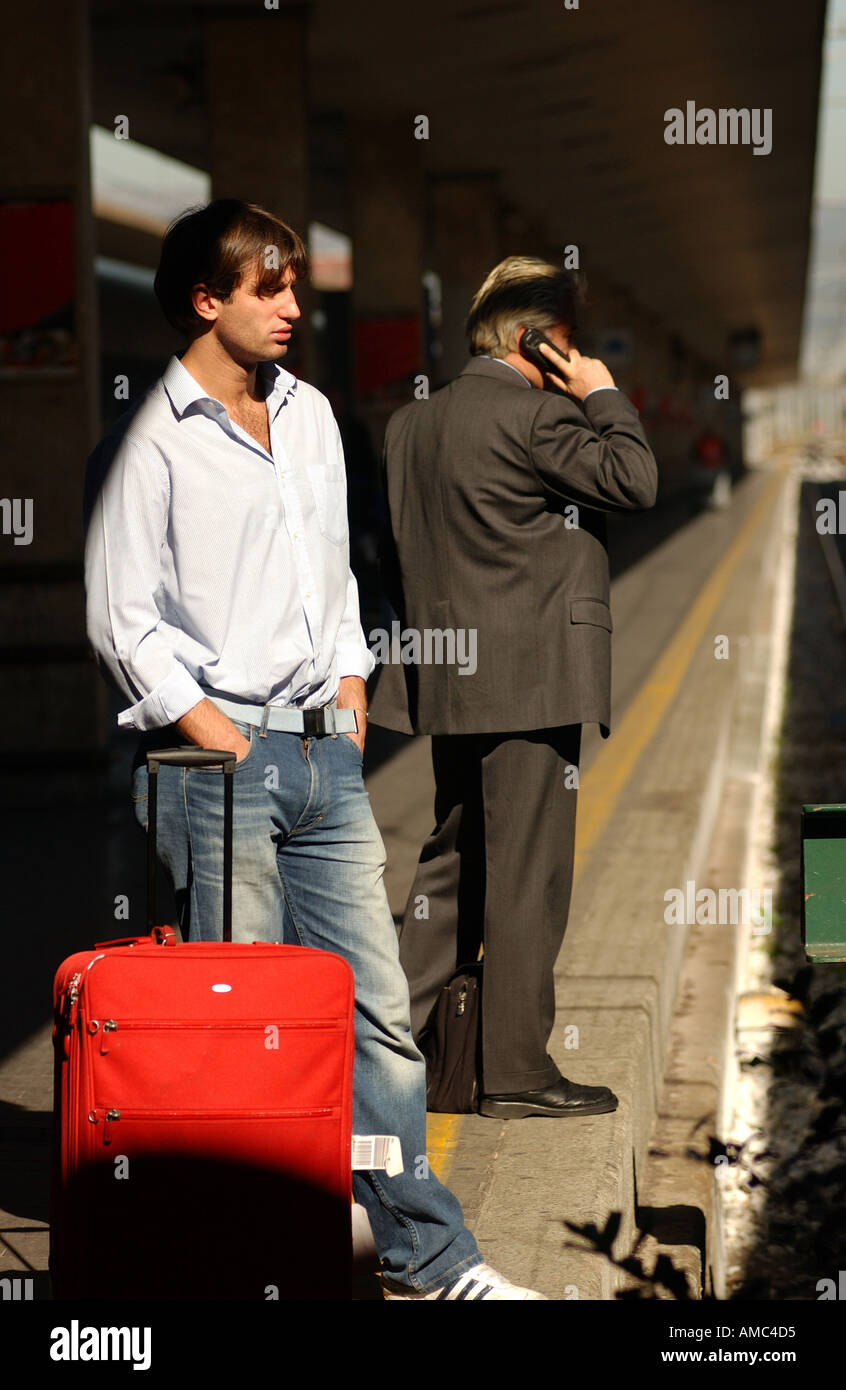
497, 870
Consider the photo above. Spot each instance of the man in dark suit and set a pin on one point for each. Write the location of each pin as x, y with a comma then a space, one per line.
496, 490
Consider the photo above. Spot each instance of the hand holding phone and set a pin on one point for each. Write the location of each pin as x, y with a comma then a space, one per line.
530, 348
583, 374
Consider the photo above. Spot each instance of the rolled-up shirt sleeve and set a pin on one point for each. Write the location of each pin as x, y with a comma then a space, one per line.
126, 529
352, 654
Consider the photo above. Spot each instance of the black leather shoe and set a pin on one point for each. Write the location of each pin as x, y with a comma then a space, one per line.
563, 1097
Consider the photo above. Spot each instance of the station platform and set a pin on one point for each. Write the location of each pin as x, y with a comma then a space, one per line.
666, 800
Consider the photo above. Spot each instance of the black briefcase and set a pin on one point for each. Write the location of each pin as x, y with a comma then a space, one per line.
451, 1042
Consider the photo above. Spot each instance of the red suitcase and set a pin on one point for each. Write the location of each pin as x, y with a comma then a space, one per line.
202, 1112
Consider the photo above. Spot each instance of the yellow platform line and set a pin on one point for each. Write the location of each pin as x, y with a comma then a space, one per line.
617, 759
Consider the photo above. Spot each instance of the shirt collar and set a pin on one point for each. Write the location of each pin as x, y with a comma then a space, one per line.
502, 363
482, 365
185, 392
281, 385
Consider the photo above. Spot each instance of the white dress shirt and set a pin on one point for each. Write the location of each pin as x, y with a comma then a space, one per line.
213, 566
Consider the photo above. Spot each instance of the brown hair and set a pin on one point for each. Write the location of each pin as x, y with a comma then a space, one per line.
521, 290
215, 246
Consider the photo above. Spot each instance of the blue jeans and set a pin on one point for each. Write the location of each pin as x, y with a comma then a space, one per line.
308, 864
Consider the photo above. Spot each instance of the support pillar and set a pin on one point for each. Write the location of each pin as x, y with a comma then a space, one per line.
52, 700
464, 247
257, 71
386, 189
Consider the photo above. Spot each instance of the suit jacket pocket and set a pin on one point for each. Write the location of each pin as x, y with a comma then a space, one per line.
591, 610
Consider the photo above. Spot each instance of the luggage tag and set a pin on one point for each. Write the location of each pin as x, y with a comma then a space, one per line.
377, 1151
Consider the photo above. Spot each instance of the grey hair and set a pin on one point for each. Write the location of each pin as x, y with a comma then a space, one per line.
520, 291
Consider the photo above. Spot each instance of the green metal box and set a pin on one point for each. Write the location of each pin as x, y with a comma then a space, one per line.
824, 882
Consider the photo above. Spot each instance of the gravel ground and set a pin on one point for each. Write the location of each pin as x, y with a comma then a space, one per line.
784, 1188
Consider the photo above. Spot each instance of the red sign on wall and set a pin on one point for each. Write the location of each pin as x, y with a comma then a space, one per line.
36, 286
386, 351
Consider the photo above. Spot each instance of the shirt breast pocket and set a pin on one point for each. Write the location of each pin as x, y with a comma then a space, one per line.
328, 486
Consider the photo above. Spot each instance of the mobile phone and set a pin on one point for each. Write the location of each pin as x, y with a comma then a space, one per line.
530, 348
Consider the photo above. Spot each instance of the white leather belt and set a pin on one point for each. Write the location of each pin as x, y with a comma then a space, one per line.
313, 723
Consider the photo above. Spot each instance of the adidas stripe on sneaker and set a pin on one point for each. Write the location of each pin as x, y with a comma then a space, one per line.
480, 1282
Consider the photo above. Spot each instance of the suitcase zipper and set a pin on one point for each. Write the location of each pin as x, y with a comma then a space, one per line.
111, 1025
107, 1116
111, 1115
69, 1002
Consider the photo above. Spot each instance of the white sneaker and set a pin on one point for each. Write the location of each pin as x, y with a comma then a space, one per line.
479, 1282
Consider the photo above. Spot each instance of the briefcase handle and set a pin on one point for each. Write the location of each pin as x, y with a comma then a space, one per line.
190, 756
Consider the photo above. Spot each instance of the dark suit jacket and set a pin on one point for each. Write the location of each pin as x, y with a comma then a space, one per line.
478, 480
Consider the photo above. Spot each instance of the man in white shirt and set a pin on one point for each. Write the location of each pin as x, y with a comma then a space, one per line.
221, 603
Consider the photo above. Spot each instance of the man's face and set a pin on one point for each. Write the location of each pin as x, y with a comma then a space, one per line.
255, 328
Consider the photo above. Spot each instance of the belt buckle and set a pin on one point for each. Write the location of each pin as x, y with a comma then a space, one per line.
314, 722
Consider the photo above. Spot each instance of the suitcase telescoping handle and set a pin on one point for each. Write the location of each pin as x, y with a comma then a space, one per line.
190, 757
